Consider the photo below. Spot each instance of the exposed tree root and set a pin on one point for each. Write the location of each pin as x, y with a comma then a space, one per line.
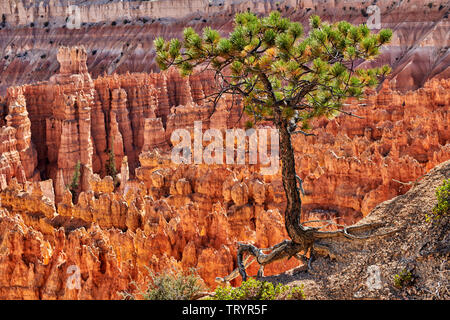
284, 249
289, 248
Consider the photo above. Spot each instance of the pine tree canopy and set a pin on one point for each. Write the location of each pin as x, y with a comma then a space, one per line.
274, 66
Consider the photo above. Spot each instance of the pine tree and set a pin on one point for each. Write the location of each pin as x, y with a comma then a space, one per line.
74, 183
111, 169
288, 78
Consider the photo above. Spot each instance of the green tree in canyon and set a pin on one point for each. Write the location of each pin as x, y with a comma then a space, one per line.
75, 182
110, 164
289, 78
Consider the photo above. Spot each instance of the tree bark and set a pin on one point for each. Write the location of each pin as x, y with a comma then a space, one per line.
292, 214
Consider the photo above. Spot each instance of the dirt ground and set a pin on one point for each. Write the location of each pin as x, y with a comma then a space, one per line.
365, 269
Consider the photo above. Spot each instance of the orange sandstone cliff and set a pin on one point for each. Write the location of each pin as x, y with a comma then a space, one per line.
165, 215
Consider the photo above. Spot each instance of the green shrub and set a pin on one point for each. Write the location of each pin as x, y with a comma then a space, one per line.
403, 279
248, 124
110, 164
442, 208
169, 285
75, 182
253, 289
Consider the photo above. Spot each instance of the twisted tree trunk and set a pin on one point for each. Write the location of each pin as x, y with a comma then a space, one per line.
303, 238
292, 214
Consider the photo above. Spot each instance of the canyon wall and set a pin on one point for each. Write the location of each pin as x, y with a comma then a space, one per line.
75, 119
174, 217
18, 154
78, 82
118, 35
164, 215
362, 162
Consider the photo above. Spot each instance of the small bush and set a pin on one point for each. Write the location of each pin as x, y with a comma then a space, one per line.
403, 279
248, 124
75, 182
110, 164
169, 285
253, 289
442, 208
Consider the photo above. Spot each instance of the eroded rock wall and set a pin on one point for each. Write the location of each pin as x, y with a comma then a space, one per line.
165, 215
353, 164
118, 35
74, 118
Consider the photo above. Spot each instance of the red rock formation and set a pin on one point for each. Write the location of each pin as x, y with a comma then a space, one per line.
18, 119
147, 112
80, 115
18, 155
166, 215
10, 164
60, 114
154, 134
33, 34
369, 160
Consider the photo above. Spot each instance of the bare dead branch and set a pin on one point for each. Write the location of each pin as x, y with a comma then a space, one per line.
304, 133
